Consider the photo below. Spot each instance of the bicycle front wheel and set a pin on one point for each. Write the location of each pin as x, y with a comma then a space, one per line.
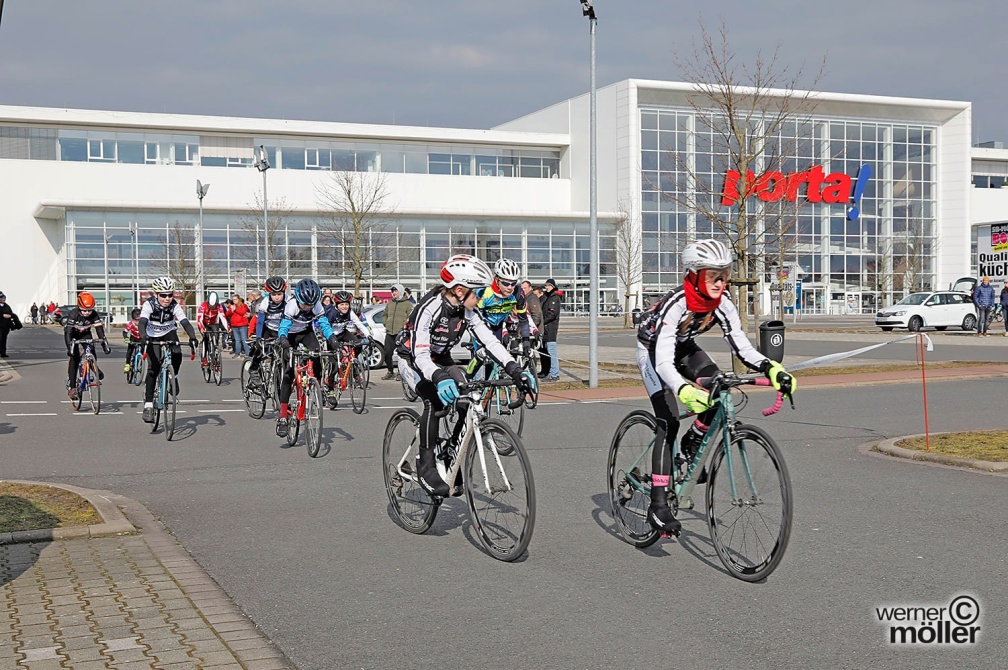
358, 385
138, 368
749, 504
629, 478
500, 491
276, 374
293, 425
313, 417
253, 390
408, 393
78, 398
411, 507
94, 389
171, 401
205, 356
215, 364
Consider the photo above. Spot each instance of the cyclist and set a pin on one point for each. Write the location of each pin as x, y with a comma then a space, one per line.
211, 319
497, 303
297, 327
437, 324
669, 358
160, 318
131, 337
268, 317
77, 325
347, 327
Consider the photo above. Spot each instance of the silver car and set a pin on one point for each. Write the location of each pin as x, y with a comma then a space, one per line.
372, 318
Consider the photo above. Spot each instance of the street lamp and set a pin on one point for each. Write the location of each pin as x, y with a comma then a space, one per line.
134, 228
262, 164
201, 191
587, 9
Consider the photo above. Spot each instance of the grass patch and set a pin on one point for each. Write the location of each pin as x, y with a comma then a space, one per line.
978, 445
36, 507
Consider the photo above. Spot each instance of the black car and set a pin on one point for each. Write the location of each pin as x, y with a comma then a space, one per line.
65, 309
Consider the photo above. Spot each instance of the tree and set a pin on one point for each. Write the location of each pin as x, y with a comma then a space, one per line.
741, 114
355, 220
178, 258
629, 246
282, 258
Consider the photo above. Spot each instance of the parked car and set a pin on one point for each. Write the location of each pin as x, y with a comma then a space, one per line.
371, 315
937, 309
65, 309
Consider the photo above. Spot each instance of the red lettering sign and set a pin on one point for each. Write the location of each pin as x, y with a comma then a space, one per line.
772, 186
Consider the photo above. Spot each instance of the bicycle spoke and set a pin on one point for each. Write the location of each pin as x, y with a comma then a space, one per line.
629, 478
410, 505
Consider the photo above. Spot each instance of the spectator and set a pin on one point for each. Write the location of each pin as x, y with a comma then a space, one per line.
551, 306
394, 316
983, 297
375, 300
252, 299
409, 296
34, 313
1004, 306
6, 324
532, 304
238, 316
51, 311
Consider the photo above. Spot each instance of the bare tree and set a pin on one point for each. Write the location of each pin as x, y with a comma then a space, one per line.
742, 113
177, 256
281, 258
629, 260
355, 220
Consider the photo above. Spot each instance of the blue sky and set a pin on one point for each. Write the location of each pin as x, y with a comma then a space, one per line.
470, 64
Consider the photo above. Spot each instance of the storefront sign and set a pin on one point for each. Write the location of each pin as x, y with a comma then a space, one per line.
773, 186
992, 252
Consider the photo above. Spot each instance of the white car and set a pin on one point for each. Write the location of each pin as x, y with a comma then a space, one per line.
372, 318
937, 309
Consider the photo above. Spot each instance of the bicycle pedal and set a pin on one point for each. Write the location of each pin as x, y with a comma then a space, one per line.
456, 491
672, 535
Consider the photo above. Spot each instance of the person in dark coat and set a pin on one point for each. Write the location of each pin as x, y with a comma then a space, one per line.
6, 323
394, 316
551, 306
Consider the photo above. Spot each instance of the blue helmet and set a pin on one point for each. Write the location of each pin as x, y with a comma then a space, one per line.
307, 292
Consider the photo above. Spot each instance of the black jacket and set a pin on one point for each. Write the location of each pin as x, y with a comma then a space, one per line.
551, 306
6, 323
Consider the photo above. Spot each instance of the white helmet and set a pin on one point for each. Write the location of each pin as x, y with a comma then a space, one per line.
704, 254
163, 284
465, 270
212, 299
505, 268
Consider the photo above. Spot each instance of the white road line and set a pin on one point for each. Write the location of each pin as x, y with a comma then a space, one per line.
214, 411
82, 413
192, 401
36, 414
23, 402
232, 400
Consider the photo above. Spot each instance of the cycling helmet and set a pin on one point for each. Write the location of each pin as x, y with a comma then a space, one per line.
505, 268
212, 300
307, 292
275, 284
704, 254
135, 313
85, 300
342, 296
163, 285
465, 270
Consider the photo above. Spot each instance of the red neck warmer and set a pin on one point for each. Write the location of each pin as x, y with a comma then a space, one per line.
696, 302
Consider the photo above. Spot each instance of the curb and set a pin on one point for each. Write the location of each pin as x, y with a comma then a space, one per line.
7, 373
113, 521
889, 447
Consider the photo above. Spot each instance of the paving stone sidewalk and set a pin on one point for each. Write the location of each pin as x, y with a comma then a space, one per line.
124, 602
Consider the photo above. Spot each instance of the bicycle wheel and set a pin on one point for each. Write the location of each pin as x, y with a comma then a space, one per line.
749, 504
208, 368
215, 365
629, 478
408, 393
293, 425
276, 373
171, 401
94, 389
159, 400
358, 385
138, 367
313, 417
80, 393
253, 390
411, 507
514, 418
503, 516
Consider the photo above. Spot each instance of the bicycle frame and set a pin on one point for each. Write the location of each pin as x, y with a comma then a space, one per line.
87, 360
302, 372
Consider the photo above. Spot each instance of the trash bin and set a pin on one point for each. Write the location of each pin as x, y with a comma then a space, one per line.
635, 314
771, 340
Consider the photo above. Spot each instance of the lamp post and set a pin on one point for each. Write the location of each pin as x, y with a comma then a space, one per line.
201, 191
105, 241
134, 228
588, 10
262, 164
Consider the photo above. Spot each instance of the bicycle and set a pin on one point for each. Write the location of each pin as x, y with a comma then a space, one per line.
306, 405
166, 388
257, 390
210, 357
748, 496
88, 377
135, 376
500, 401
996, 313
475, 463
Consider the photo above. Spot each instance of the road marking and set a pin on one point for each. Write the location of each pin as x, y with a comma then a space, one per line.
35, 414
23, 402
192, 401
102, 414
214, 411
232, 400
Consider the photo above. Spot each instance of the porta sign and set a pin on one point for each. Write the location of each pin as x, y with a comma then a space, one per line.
773, 186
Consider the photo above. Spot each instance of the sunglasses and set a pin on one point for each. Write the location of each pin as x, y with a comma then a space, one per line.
507, 284
165, 295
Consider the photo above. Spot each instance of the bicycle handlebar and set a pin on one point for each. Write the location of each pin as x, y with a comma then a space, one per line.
729, 380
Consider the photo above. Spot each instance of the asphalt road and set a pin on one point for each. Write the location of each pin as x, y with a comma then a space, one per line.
306, 547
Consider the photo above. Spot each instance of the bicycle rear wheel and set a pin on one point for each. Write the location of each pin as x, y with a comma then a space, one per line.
313, 417
411, 507
138, 367
514, 418
358, 385
171, 401
253, 390
207, 369
79, 399
503, 514
94, 389
749, 504
629, 478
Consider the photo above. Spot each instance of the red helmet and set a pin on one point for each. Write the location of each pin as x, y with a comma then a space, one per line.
85, 300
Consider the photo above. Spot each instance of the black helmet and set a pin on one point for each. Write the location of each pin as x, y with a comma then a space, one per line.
342, 296
135, 313
307, 292
275, 284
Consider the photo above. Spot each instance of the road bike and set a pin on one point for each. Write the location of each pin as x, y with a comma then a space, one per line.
748, 496
261, 385
498, 488
88, 379
135, 375
996, 313
501, 402
210, 356
346, 372
167, 387
306, 401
